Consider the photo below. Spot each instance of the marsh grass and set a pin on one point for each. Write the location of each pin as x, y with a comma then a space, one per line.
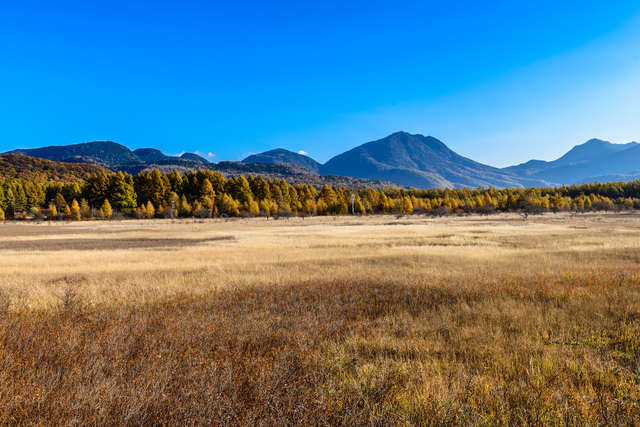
140, 261
349, 324
515, 351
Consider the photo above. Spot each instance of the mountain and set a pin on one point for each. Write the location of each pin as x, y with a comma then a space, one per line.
403, 159
116, 157
150, 155
281, 155
91, 157
583, 153
103, 151
195, 158
589, 162
19, 166
419, 161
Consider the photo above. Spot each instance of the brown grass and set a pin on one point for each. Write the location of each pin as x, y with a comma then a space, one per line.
345, 322
102, 244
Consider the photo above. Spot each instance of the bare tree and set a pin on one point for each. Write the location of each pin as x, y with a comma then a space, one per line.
439, 212
528, 208
354, 194
485, 210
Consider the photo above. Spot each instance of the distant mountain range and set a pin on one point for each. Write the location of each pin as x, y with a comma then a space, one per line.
588, 162
399, 160
116, 157
425, 162
112, 155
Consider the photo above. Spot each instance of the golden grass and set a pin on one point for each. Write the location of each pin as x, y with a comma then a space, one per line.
322, 321
142, 260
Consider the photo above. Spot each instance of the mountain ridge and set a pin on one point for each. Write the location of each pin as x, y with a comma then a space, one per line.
580, 153
98, 156
402, 158
281, 155
584, 163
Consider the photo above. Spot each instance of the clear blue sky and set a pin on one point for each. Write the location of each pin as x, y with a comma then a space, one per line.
498, 81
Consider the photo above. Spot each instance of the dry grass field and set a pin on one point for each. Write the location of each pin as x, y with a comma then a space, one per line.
323, 321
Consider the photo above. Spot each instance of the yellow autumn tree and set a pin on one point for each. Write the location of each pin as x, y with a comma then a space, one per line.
53, 211
587, 203
228, 205
85, 210
141, 212
407, 206
264, 206
321, 207
358, 206
105, 211
150, 210
273, 208
74, 210
196, 210
183, 207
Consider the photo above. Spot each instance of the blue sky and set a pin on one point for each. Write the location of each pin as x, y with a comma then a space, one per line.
498, 81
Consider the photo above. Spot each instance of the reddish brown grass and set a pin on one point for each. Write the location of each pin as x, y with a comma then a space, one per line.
512, 350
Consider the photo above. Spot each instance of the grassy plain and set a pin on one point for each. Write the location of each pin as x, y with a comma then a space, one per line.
323, 321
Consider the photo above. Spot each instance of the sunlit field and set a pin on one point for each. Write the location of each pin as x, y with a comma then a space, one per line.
380, 320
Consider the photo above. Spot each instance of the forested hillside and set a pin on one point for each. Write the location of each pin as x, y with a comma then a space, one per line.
19, 166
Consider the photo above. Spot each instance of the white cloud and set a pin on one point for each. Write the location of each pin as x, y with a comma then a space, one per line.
209, 155
304, 153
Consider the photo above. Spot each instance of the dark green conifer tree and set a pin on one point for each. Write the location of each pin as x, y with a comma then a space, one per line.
122, 194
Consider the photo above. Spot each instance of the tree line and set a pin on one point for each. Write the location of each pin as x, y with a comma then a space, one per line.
207, 194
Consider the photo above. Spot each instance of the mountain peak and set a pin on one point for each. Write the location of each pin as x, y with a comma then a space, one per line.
150, 154
194, 158
107, 151
594, 141
418, 161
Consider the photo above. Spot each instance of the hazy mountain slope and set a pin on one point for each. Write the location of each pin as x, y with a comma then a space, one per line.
613, 163
417, 161
105, 151
586, 152
632, 176
280, 155
591, 151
